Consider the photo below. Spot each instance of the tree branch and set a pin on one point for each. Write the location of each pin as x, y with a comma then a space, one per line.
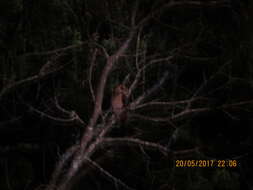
146, 94
115, 180
127, 140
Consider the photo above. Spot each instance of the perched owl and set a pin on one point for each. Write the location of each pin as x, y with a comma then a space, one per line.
119, 100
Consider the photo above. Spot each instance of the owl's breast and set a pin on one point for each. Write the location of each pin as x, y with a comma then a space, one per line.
117, 102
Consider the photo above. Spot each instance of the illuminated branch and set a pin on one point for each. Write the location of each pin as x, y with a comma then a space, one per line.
127, 140
115, 180
143, 68
171, 103
150, 91
55, 51
65, 158
88, 134
93, 59
111, 61
73, 117
44, 72
181, 3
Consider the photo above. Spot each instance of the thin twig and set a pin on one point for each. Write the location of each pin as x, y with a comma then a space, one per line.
90, 74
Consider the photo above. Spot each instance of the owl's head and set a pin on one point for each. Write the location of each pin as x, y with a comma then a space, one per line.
121, 89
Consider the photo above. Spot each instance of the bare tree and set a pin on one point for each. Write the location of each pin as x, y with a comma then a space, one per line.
95, 135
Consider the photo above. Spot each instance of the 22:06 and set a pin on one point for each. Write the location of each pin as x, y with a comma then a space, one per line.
227, 163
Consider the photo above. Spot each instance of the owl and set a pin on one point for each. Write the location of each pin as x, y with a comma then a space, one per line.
119, 101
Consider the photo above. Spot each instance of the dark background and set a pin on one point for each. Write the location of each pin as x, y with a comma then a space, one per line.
211, 44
